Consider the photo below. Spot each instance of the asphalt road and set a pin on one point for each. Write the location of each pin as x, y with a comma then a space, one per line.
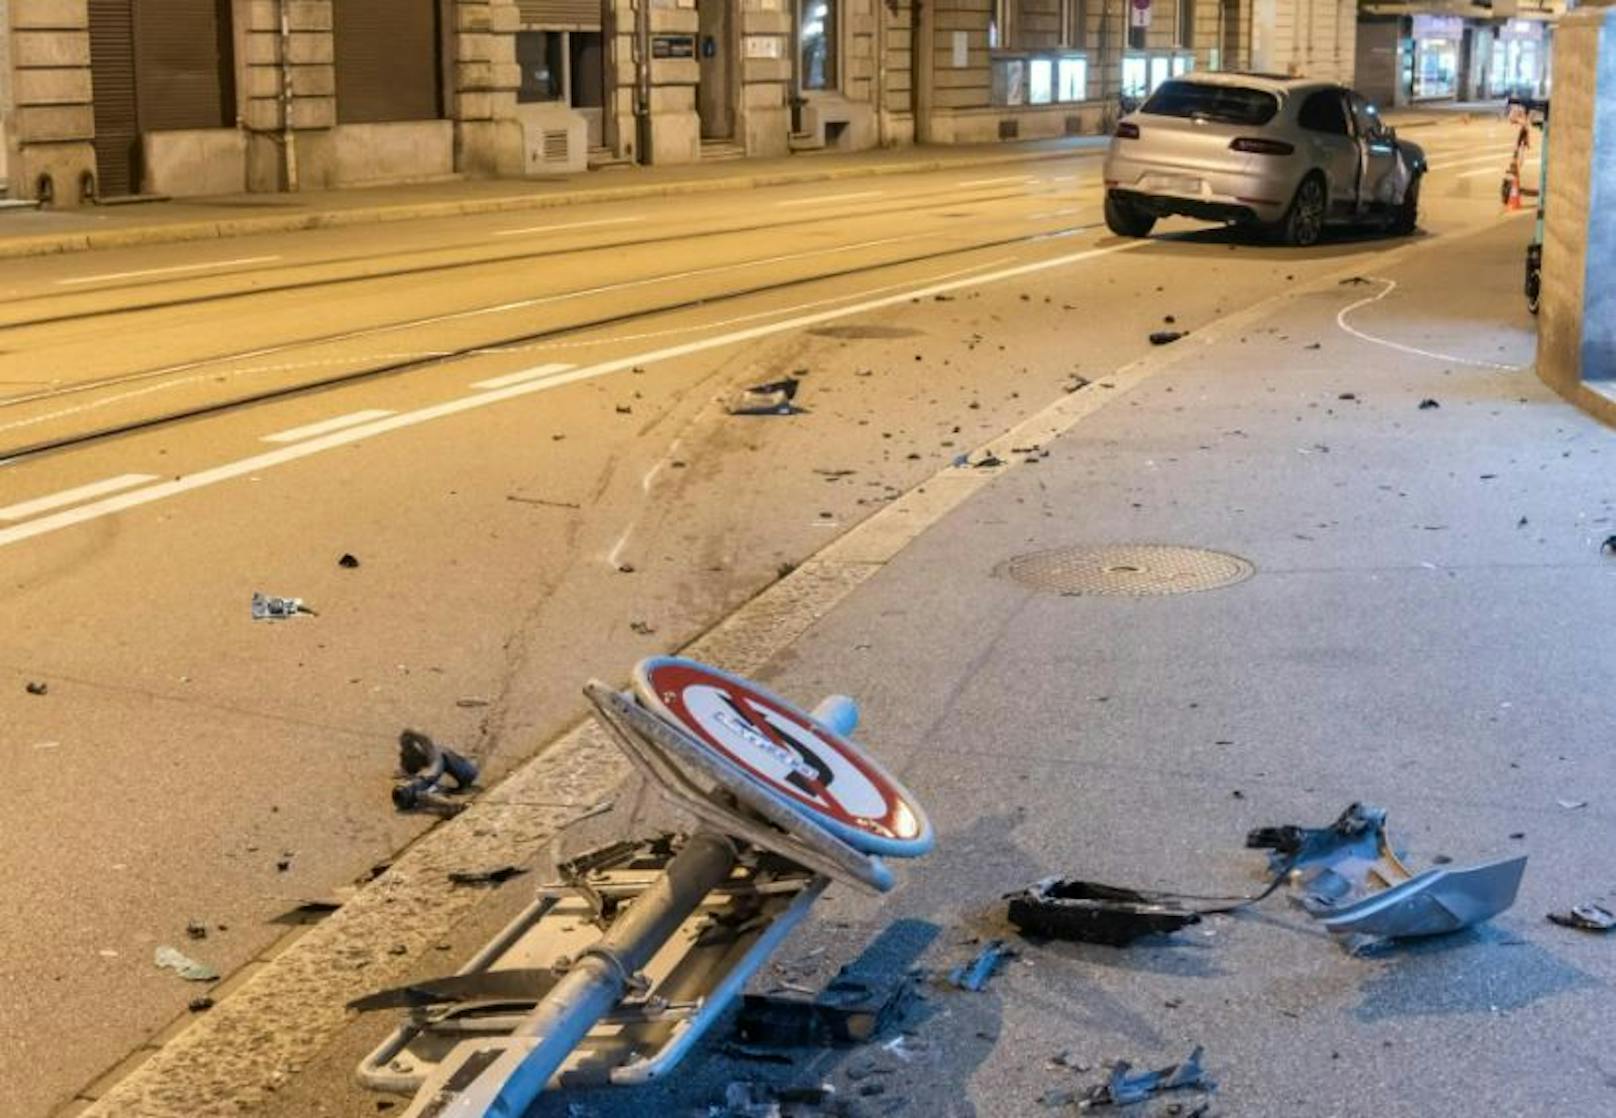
516, 424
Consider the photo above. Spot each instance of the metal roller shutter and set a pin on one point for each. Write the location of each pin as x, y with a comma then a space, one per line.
181, 73
387, 60
581, 14
112, 76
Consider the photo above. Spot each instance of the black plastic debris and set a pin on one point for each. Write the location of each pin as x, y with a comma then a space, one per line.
1587, 917
850, 1010
974, 975
1125, 1089
199, 1005
1354, 281
773, 398
348, 561
36, 688
1607, 548
1166, 337
1087, 911
1427, 404
496, 876
266, 607
427, 764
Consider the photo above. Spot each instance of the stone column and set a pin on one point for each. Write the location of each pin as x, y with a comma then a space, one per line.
51, 120
1577, 322
488, 137
764, 64
267, 62
675, 125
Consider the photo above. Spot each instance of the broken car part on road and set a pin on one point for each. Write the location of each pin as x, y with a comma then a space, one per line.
612, 976
850, 1010
1347, 876
426, 764
773, 398
1124, 1089
268, 608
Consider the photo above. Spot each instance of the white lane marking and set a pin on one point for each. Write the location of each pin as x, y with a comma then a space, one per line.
1493, 171
1391, 285
826, 198
325, 426
567, 225
256, 463
537, 373
1001, 180
25, 509
416, 355
167, 271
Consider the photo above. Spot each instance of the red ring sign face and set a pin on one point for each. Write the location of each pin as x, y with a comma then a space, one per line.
778, 747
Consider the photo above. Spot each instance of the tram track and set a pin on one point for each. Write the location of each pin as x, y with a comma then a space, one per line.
906, 207
447, 356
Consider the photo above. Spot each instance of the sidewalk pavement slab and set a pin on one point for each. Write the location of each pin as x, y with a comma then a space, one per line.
1425, 631
45, 232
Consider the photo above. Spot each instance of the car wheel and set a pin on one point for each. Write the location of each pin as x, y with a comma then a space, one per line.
1408, 214
1126, 220
1303, 223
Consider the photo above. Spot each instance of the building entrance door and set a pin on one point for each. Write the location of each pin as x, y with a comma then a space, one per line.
715, 93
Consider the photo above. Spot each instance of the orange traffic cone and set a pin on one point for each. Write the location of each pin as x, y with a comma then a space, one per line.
1512, 182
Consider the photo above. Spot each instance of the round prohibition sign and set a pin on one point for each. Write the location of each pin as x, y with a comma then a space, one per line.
776, 748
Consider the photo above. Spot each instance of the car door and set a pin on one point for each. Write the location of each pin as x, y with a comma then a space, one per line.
1332, 146
1383, 175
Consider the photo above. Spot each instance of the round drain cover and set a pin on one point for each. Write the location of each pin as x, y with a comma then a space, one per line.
1136, 570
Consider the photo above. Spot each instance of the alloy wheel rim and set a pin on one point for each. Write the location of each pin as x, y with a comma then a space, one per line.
1307, 213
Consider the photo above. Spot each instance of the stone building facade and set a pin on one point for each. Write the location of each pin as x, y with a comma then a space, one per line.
107, 98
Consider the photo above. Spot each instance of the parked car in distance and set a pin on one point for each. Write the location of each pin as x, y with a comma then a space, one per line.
1290, 155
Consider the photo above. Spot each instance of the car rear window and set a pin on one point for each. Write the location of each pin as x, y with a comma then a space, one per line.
1226, 104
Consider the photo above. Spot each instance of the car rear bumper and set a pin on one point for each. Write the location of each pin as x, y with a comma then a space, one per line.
1203, 209
1235, 194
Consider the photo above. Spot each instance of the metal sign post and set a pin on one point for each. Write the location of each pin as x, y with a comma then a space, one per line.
786, 803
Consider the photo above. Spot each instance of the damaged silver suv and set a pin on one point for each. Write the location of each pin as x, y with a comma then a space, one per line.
1288, 155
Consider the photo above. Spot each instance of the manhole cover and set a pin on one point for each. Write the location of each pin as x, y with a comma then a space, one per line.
1136, 570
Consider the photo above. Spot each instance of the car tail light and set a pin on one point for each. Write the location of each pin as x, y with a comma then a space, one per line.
1258, 146
1127, 131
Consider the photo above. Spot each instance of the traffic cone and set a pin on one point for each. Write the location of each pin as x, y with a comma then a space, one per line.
1514, 186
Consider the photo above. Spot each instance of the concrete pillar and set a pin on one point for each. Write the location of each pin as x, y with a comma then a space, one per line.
50, 121
1577, 322
265, 62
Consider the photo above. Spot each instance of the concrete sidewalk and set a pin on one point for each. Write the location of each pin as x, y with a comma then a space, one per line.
34, 232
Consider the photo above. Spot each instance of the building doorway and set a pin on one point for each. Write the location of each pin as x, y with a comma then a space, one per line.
715, 91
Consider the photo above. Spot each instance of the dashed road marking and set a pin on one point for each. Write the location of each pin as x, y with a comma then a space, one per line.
309, 447
166, 271
325, 426
559, 226
24, 509
538, 372
827, 198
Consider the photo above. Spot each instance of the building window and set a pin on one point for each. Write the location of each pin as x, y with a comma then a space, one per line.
1072, 81
1073, 23
1135, 76
1160, 69
1183, 64
1040, 81
816, 44
541, 56
1009, 81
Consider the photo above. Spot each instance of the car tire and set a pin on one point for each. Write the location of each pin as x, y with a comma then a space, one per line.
1303, 223
1126, 220
1408, 213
